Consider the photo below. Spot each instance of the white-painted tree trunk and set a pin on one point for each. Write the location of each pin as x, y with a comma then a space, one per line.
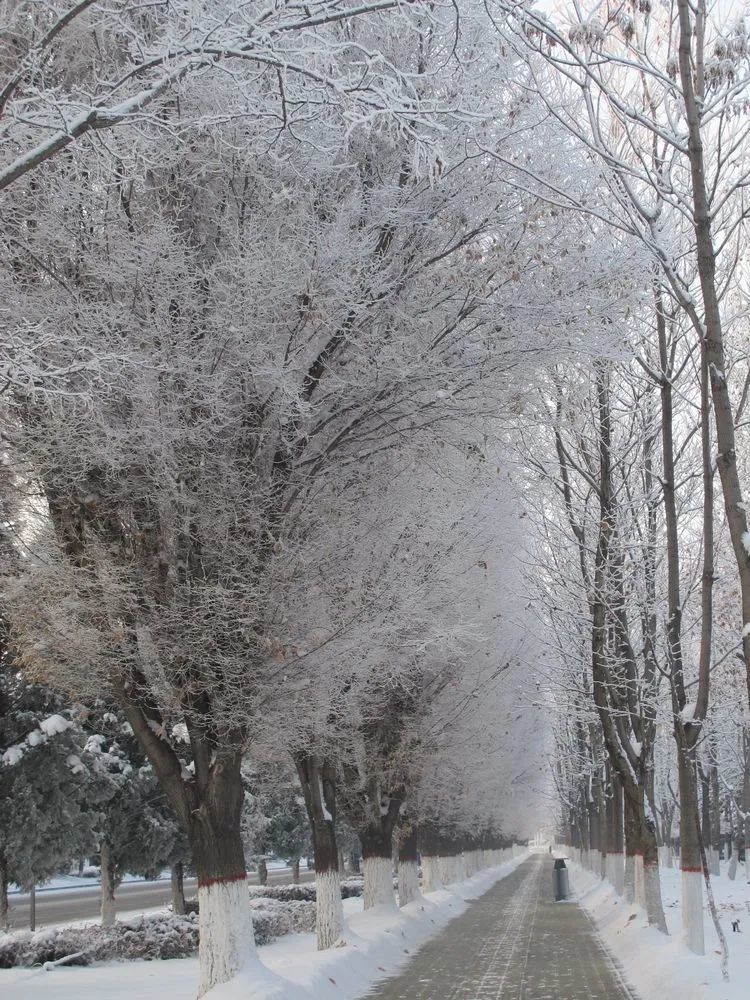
629, 888
107, 905
447, 869
408, 882
460, 872
226, 931
692, 911
640, 885
732, 870
329, 910
618, 873
595, 860
378, 889
714, 862
652, 900
431, 880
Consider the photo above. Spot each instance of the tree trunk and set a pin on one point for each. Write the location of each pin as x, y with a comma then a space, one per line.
429, 848
605, 834
4, 908
408, 866
715, 859
632, 848
595, 826
690, 853
651, 880
377, 857
178, 888
32, 907
706, 810
738, 843
295, 871
618, 837
319, 789
262, 870
668, 814
209, 807
224, 918
107, 905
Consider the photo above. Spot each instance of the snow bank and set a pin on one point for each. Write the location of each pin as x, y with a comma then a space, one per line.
657, 966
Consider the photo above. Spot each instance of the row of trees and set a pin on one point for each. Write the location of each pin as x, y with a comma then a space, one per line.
277, 343
267, 337
644, 450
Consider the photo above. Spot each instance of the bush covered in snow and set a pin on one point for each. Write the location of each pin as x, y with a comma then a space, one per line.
273, 918
164, 936
148, 938
304, 892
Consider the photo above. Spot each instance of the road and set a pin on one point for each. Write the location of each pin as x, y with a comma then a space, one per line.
62, 906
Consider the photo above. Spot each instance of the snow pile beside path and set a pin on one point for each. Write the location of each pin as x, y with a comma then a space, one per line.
660, 967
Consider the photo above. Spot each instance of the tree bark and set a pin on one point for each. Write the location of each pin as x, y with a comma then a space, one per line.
706, 809
746, 802
632, 848
690, 851
618, 837
178, 888
262, 870
429, 840
224, 917
377, 857
715, 859
4, 908
107, 905
408, 865
319, 790
295, 871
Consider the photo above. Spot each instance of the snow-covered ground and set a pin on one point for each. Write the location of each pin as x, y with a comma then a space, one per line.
662, 968
378, 942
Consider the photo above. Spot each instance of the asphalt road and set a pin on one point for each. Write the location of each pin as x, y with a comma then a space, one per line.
62, 906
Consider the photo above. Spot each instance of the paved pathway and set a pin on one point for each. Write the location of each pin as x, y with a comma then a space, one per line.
514, 943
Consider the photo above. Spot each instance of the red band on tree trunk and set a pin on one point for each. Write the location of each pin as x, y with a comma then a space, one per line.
699, 871
204, 883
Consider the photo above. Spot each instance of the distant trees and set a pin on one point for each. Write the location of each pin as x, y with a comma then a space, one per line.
657, 95
48, 819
